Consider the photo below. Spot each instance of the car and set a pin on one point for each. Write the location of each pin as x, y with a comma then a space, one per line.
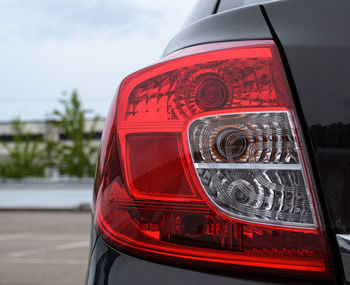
228, 161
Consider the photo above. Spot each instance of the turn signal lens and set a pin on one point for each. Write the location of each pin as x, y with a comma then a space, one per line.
202, 163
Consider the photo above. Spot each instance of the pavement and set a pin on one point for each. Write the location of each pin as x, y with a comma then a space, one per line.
44, 193
44, 248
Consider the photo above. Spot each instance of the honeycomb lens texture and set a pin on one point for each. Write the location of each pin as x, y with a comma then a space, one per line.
216, 85
250, 167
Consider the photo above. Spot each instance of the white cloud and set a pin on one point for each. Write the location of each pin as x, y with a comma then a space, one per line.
53, 47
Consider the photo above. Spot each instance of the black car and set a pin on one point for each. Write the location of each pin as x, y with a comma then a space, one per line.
227, 162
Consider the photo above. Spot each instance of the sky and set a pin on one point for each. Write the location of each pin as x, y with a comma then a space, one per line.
49, 47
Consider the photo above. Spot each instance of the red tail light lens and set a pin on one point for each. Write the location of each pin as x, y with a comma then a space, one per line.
201, 163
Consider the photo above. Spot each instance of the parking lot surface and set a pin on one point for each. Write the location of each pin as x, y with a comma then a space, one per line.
44, 248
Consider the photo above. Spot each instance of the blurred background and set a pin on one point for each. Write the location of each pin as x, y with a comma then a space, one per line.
60, 65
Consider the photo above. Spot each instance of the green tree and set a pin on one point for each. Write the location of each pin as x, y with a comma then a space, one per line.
75, 156
26, 155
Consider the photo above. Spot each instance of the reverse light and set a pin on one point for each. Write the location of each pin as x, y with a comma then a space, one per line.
250, 167
201, 163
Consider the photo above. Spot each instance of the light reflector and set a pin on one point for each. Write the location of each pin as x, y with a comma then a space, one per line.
251, 168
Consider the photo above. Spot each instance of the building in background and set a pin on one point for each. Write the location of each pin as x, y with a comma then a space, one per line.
44, 130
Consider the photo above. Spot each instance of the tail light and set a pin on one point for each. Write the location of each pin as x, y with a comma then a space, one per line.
202, 163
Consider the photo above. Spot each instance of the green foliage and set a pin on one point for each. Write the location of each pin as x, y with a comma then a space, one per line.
26, 157
75, 156
29, 156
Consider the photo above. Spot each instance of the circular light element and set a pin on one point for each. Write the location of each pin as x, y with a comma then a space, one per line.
230, 144
211, 93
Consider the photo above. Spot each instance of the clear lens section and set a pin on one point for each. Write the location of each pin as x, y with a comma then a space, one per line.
250, 167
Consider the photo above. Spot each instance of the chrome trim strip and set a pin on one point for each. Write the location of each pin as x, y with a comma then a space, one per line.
344, 247
264, 166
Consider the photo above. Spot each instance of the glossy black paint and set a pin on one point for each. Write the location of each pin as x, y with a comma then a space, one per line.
315, 40
241, 24
225, 5
318, 54
315, 43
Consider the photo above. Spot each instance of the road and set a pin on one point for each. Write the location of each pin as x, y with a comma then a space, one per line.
44, 248
44, 193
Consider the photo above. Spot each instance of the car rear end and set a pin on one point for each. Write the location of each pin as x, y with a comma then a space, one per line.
228, 160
